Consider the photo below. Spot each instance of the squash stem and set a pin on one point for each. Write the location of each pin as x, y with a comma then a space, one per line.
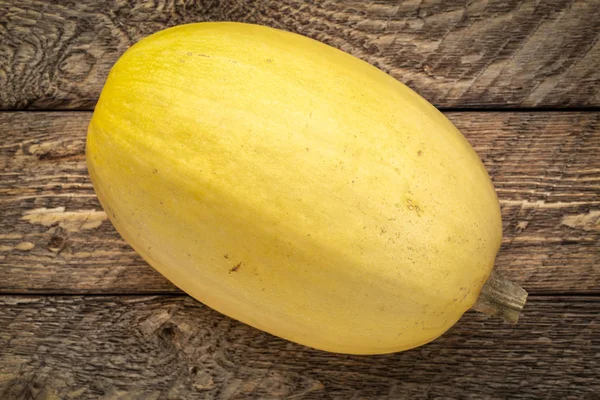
500, 297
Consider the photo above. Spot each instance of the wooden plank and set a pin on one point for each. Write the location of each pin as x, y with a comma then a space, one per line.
56, 55
172, 347
56, 239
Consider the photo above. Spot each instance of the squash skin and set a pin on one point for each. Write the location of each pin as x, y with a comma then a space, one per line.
293, 187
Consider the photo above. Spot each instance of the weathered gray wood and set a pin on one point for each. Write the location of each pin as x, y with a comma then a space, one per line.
134, 347
455, 53
55, 238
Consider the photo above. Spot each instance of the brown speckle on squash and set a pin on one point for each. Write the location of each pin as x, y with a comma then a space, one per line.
235, 267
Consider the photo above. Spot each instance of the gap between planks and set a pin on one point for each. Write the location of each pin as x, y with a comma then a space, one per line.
482, 109
86, 293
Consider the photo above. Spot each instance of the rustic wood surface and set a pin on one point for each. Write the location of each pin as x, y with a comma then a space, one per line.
55, 238
171, 347
75, 318
458, 53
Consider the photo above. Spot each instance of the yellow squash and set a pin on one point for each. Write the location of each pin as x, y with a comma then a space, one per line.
293, 187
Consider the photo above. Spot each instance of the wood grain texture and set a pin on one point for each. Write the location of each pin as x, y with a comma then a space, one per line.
55, 238
458, 53
134, 347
